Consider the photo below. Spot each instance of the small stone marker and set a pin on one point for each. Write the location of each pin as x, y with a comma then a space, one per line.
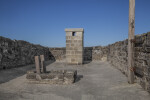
43, 68
37, 64
38, 77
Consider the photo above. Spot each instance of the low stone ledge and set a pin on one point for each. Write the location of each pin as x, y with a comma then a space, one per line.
53, 77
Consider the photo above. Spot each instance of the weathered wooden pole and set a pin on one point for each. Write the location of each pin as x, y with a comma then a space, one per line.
131, 41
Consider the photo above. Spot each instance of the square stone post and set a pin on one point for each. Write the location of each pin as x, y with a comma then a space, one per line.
43, 67
37, 65
74, 45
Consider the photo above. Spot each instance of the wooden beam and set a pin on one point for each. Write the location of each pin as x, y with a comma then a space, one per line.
131, 41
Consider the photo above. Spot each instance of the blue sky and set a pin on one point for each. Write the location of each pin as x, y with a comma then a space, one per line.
43, 21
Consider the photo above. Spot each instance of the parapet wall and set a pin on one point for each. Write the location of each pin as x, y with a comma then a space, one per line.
97, 53
14, 53
117, 56
58, 54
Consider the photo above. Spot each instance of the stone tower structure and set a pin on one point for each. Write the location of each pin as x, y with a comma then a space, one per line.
74, 45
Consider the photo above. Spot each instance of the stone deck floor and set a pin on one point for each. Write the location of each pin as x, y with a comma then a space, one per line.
96, 81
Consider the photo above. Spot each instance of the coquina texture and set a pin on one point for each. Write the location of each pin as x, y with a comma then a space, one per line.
14, 53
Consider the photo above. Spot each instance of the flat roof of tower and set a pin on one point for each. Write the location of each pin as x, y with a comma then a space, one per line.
74, 29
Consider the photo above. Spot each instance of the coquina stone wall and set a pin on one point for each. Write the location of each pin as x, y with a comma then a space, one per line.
97, 53
58, 54
117, 56
87, 55
15, 53
142, 60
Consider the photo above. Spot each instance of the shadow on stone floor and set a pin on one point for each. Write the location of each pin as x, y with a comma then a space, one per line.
79, 77
87, 62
